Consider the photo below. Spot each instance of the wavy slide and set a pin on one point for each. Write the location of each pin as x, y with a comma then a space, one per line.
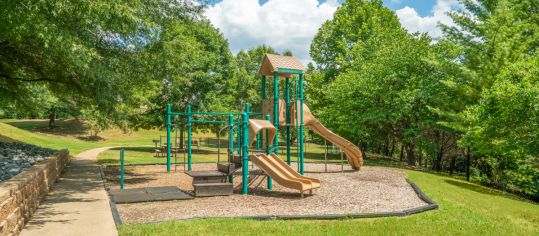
283, 174
353, 153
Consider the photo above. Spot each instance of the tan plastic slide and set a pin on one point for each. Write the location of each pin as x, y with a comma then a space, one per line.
353, 153
283, 174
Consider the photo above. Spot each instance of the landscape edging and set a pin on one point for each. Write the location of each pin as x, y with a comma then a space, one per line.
21, 195
112, 203
431, 205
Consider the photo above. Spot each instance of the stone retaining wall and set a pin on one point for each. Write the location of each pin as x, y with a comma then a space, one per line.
20, 195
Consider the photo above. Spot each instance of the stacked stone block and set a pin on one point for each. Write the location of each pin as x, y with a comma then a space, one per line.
20, 195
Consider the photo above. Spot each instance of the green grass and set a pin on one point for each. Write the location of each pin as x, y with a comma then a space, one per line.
71, 134
465, 209
205, 153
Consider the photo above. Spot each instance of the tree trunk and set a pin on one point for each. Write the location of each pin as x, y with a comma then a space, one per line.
468, 164
410, 153
438, 162
392, 148
363, 154
386, 147
52, 118
402, 152
452, 164
420, 155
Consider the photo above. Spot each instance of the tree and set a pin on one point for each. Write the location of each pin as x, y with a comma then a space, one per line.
498, 43
356, 22
192, 65
83, 52
372, 86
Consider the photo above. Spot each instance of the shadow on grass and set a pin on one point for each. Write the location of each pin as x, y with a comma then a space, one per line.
90, 138
73, 127
482, 189
135, 149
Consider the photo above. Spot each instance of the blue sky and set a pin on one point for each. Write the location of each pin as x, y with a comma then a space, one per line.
423, 7
291, 24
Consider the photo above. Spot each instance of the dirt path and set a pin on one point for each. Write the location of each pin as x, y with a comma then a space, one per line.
78, 203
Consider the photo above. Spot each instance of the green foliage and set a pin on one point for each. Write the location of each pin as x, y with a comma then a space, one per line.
355, 23
86, 53
470, 94
499, 121
246, 84
96, 121
191, 63
504, 129
382, 86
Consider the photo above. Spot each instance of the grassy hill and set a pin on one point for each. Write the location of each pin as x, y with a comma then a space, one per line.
71, 134
465, 208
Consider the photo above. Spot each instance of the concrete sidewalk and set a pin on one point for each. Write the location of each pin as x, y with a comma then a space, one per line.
78, 203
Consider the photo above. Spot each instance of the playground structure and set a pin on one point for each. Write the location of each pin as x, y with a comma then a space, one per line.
276, 112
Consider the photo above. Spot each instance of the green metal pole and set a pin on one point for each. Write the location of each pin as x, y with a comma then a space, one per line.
263, 98
268, 151
296, 99
301, 124
230, 143
247, 107
258, 141
288, 120
245, 152
189, 139
276, 111
168, 136
122, 172
263, 94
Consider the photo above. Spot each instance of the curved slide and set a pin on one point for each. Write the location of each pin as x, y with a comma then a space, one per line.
283, 174
353, 153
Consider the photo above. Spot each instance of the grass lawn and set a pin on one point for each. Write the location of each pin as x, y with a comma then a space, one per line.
465, 208
207, 152
73, 135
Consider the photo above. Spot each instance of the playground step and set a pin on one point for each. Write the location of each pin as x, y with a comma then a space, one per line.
226, 167
213, 189
207, 176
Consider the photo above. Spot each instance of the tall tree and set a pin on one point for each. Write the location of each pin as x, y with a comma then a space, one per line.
373, 86
82, 51
498, 43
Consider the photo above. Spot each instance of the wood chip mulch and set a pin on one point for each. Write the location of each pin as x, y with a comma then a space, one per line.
370, 190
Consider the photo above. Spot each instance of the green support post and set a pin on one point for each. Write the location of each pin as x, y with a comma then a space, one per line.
296, 99
122, 172
263, 87
268, 151
230, 143
276, 111
263, 98
288, 120
247, 107
168, 136
258, 141
301, 124
189, 139
245, 152
240, 138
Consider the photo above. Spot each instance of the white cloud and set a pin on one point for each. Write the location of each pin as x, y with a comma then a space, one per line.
413, 22
281, 24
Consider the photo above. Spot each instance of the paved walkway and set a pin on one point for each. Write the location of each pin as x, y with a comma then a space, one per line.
78, 203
